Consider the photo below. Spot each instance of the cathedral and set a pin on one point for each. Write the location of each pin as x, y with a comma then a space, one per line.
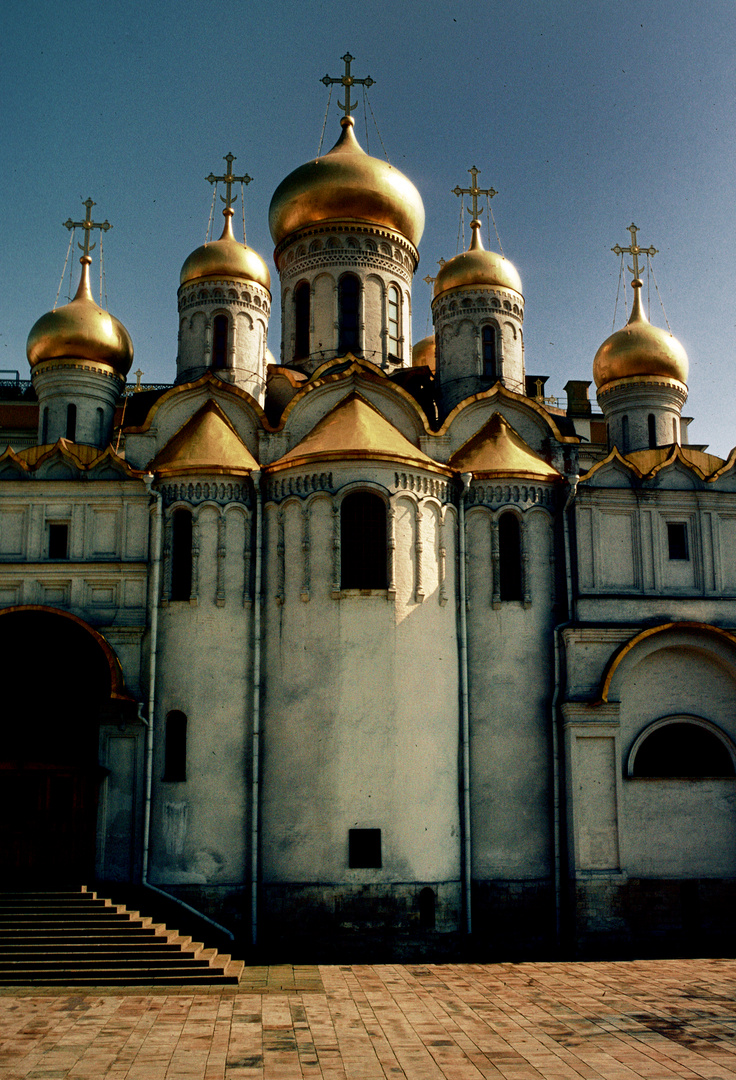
375, 642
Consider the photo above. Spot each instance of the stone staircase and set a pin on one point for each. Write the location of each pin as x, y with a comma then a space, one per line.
75, 938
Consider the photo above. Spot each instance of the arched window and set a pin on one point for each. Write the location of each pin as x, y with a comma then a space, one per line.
301, 320
181, 555
684, 749
624, 434
394, 321
71, 422
45, 426
674, 429
488, 336
652, 431
175, 747
509, 555
100, 424
427, 904
363, 541
220, 333
348, 297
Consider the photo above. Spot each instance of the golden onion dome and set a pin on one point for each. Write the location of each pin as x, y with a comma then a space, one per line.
346, 184
475, 267
81, 330
639, 349
423, 354
226, 258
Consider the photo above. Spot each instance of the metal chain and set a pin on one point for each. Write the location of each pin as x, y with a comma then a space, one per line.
103, 276
618, 291
66, 260
324, 122
365, 121
242, 207
208, 234
490, 211
461, 226
367, 98
656, 286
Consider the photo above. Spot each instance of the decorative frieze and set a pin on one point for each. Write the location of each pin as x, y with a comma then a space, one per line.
523, 495
221, 492
422, 485
283, 487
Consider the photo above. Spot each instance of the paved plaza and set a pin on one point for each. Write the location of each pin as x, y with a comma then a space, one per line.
656, 1019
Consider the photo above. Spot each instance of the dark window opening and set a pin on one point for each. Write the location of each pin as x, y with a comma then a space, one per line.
301, 320
181, 555
45, 427
509, 552
71, 422
677, 540
348, 297
100, 425
58, 541
175, 747
625, 434
364, 849
220, 329
363, 542
427, 904
651, 424
683, 750
489, 351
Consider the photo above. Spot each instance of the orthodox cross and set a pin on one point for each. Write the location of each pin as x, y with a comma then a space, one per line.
474, 191
634, 250
347, 80
228, 180
431, 280
88, 224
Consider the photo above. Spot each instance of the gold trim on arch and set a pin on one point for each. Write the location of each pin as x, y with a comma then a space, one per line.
118, 691
613, 663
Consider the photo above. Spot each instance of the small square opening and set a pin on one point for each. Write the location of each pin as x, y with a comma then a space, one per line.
364, 849
58, 541
677, 540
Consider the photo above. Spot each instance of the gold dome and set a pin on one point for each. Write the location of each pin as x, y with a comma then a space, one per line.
423, 354
639, 349
81, 330
476, 266
226, 258
346, 184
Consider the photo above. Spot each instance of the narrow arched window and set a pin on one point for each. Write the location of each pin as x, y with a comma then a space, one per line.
652, 431
509, 555
624, 434
45, 426
394, 321
363, 541
489, 351
175, 747
71, 422
181, 555
348, 302
682, 749
301, 320
427, 904
100, 425
674, 430
220, 333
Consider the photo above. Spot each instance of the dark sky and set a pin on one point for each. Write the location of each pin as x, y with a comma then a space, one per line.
583, 115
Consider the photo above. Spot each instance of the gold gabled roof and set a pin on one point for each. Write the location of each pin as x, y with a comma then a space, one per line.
207, 443
80, 455
356, 429
646, 464
498, 450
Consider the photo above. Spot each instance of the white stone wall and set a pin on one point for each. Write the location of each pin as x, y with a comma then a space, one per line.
247, 306
321, 257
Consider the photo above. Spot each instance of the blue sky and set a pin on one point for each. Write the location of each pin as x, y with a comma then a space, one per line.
583, 116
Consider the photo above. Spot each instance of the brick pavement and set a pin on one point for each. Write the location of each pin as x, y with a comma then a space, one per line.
654, 1019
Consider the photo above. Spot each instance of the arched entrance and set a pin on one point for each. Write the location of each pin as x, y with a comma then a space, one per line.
59, 676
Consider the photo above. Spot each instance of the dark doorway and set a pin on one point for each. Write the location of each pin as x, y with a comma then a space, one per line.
57, 685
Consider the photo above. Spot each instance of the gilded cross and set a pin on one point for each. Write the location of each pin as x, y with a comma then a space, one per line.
88, 224
634, 250
431, 280
347, 80
474, 191
228, 180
